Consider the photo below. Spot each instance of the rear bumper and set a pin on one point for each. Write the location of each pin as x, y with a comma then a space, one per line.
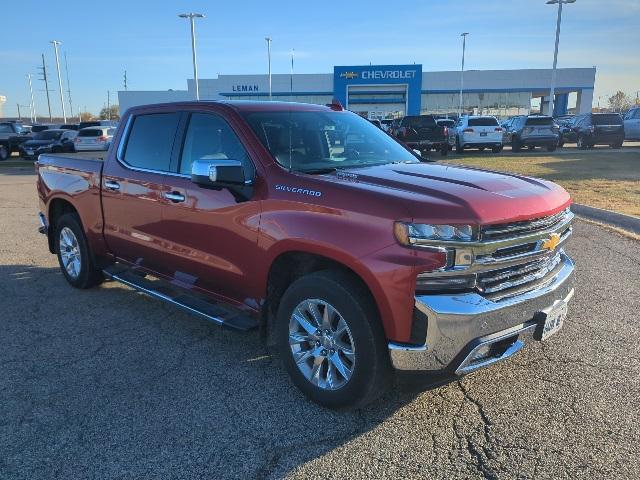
539, 141
458, 324
482, 144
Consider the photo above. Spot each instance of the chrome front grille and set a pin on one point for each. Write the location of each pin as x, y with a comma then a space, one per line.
507, 230
517, 275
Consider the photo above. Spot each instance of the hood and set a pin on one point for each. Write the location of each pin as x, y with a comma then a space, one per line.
447, 193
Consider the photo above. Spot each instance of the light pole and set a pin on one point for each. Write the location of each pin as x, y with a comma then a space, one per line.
464, 47
32, 105
268, 39
55, 48
555, 53
192, 17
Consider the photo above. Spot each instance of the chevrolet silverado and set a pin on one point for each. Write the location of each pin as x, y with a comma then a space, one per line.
354, 258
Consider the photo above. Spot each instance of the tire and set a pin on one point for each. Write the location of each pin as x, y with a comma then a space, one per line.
56, 150
616, 145
73, 253
4, 152
551, 148
459, 148
496, 149
368, 375
444, 151
561, 144
515, 145
481, 149
531, 147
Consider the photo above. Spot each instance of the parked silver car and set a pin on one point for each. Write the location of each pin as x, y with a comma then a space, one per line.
94, 138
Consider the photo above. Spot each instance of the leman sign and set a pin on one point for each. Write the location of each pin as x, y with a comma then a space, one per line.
388, 74
244, 88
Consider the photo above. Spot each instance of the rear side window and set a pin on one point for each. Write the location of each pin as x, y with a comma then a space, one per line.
90, 132
607, 119
150, 141
209, 137
539, 121
483, 122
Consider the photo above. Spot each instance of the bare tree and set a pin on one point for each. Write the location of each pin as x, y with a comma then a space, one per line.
619, 102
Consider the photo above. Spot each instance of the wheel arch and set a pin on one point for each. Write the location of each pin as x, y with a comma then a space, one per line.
293, 263
57, 207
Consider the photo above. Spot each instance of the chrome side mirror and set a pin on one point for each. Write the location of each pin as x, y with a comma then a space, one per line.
217, 173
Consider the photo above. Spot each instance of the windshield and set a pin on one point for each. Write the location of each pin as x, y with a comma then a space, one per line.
47, 135
308, 141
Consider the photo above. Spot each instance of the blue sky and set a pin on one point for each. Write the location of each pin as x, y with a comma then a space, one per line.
147, 39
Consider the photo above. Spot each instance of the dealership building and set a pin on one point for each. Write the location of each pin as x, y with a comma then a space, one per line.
385, 91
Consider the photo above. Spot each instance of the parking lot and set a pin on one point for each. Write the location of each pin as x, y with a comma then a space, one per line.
109, 383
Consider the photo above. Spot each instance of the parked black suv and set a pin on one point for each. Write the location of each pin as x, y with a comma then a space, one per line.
591, 129
531, 131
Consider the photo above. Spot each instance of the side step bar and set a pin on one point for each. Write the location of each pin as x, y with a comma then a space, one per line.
216, 312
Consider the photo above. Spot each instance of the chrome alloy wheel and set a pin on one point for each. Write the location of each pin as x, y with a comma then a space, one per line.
70, 252
321, 344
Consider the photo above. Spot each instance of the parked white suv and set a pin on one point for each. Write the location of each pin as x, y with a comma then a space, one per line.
478, 132
94, 138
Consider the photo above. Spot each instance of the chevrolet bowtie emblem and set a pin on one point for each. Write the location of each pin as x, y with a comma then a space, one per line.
551, 243
349, 75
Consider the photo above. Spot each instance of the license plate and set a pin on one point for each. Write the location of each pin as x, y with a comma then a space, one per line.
552, 322
483, 134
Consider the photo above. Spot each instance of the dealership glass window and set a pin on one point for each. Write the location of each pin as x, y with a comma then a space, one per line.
499, 104
209, 137
150, 141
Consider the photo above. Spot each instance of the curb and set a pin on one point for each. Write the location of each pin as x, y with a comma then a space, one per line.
620, 220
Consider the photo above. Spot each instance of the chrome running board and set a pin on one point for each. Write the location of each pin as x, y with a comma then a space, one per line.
216, 312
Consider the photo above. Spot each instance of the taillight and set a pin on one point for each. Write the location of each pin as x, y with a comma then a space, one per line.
446, 131
468, 130
498, 129
77, 140
102, 138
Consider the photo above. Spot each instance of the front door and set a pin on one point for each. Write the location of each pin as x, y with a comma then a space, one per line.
211, 233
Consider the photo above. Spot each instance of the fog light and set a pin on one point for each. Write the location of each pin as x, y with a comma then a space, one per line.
481, 352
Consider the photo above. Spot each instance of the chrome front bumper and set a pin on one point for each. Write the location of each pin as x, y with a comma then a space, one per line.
460, 323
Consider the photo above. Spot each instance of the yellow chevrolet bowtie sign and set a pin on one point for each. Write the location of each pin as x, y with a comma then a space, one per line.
551, 243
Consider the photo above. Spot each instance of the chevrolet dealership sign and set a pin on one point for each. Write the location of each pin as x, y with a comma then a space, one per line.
388, 74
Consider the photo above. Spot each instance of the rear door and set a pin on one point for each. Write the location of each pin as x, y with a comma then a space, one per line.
135, 182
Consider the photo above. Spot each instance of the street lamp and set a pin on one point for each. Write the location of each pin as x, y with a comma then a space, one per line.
55, 48
464, 47
268, 39
555, 53
192, 17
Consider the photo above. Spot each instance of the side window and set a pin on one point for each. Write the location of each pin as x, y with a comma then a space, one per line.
150, 141
209, 137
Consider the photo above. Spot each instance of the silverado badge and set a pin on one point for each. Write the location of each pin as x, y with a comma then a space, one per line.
551, 243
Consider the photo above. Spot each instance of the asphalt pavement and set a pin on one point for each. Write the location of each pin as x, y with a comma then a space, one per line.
108, 383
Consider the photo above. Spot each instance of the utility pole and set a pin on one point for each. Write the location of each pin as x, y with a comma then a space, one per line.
108, 105
55, 48
293, 52
19, 114
555, 52
46, 86
32, 105
66, 67
125, 80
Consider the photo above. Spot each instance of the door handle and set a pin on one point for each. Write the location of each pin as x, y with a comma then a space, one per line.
111, 185
175, 197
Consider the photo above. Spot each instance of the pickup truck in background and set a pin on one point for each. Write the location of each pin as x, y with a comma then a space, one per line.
422, 133
312, 224
12, 135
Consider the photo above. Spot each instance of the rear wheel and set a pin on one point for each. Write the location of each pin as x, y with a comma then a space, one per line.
4, 152
496, 149
616, 145
581, 143
481, 149
444, 150
331, 341
459, 148
516, 146
74, 256
551, 148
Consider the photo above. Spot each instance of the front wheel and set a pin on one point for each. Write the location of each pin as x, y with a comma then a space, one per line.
616, 145
551, 148
73, 253
331, 341
459, 147
515, 145
496, 149
581, 143
444, 150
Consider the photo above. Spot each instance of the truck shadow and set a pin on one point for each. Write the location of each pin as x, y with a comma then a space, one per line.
123, 383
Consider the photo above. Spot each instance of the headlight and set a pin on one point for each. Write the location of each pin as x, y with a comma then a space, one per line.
416, 233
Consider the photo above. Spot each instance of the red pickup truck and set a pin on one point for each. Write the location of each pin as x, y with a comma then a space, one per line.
351, 255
